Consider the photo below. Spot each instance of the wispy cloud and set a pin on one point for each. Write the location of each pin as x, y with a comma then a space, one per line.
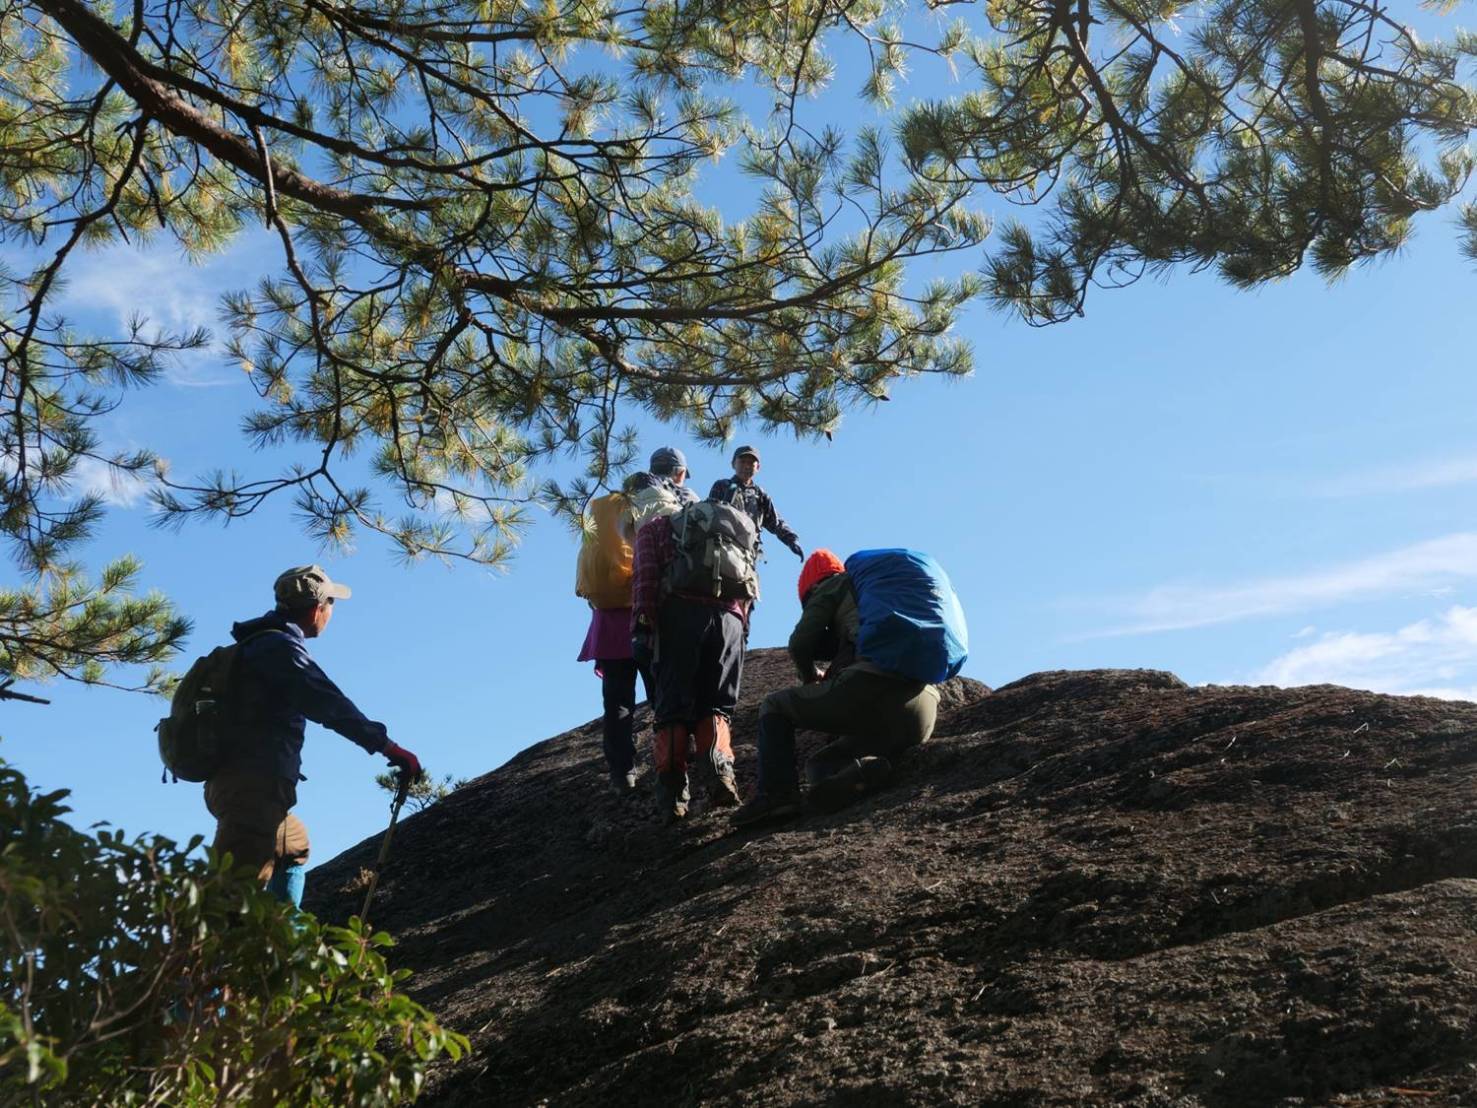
1432, 657
153, 282
113, 486
111, 287
1432, 473
1420, 567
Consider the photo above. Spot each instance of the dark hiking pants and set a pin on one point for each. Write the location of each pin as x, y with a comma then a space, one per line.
618, 692
699, 661
877, 715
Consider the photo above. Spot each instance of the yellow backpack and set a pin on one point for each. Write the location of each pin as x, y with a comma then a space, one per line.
603, 573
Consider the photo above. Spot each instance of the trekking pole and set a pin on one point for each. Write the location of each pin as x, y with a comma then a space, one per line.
402, 788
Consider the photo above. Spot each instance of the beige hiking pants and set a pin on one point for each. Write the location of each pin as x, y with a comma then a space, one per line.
254, 821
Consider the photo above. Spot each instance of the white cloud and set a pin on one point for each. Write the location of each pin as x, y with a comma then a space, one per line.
109, 288
113, 486
1433, 473
1420, 567
158, 284
1432, 657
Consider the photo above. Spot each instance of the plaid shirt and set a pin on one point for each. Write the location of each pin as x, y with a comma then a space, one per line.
655, 549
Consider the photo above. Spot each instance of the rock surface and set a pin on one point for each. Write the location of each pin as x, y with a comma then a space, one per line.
1098, 887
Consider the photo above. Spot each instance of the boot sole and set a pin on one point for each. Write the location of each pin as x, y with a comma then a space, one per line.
772, 815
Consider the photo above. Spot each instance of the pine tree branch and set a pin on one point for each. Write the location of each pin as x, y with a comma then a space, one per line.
152, 88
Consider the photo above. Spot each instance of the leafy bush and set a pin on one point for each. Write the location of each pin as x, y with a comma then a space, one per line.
139, 973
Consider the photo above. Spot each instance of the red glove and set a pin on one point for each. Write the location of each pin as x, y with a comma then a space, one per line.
403, 760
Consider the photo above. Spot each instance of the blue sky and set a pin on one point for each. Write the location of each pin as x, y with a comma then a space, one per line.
1267, 487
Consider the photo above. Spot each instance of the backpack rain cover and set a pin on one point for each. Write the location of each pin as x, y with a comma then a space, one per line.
911, 621
603, 572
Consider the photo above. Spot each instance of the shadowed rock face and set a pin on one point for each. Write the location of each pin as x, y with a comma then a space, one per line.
1090, 887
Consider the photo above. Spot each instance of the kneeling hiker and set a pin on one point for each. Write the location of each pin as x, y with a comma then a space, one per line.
694, 582
891, 628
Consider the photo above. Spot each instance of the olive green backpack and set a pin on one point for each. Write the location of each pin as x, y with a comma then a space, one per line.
194, 738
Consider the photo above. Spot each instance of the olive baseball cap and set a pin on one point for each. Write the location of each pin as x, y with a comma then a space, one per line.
303, 585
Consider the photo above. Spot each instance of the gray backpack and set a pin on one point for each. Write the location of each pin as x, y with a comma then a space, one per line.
716, 548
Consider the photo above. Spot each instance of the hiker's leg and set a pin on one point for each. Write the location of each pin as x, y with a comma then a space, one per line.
716, 685
249, 808
681, 626
289, 875
777, 776
726, 639
715, 759
715, 744
678, 654
288, 884
618, 692
910, 715
838, 706
833, 758
669, 753
778, 793
903, 715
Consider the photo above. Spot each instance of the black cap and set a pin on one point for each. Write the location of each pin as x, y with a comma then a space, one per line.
746, 452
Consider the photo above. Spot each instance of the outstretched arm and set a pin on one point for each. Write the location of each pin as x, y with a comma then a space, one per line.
779, 528
311, 692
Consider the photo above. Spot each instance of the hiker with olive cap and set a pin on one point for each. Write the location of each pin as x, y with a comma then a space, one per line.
740, 491
276, 688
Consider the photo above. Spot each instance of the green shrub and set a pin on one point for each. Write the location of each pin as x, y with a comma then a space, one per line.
139, 973
424, 790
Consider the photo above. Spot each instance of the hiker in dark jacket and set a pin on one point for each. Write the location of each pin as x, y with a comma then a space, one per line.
280, 687
879, 714
740, 491
698, 650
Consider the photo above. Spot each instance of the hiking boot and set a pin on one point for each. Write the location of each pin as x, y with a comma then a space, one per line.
876, 771
723, 793
672, 796
765, 809
850, 784
623, 783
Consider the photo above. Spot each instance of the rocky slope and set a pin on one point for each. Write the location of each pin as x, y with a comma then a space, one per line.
1090, 888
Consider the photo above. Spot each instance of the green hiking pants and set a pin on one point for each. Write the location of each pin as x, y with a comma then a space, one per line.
875, 715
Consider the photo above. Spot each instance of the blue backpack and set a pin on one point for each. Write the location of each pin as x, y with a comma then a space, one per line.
911, 621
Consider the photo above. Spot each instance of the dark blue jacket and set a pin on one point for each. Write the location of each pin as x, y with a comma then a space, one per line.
280, 688
757, 505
